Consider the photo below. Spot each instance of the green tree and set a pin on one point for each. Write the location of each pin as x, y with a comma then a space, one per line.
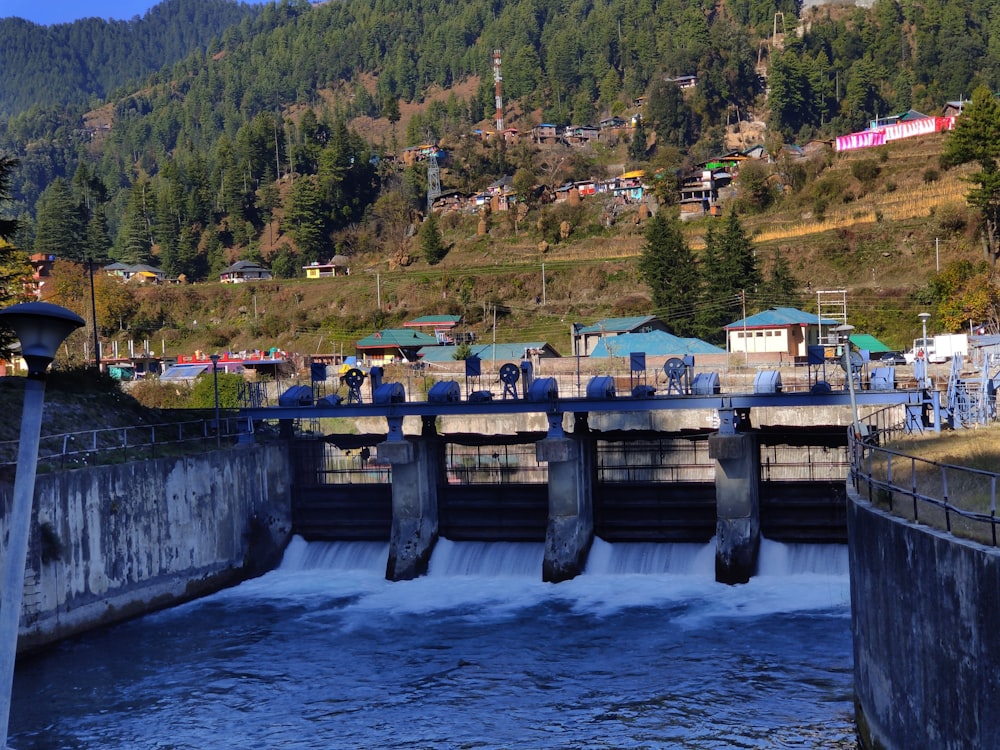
304, 219
431, 243
668, 267
203, 393
13, 267
729, 270
780, 288
134, 241
60, 229
976, 138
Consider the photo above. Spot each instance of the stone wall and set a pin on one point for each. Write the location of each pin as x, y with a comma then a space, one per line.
112, 542
925, 611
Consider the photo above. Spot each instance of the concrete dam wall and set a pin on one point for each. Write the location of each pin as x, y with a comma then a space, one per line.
112, 542
925, 607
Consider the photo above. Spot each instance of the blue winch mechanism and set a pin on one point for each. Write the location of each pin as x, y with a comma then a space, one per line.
509, 375
857, 363
678, 372
354, 379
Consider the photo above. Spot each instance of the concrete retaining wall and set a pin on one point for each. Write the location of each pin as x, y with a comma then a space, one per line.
925, 610
112, 542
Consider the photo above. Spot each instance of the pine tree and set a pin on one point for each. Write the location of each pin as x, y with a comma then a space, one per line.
780, 289
730, 271
60, 229
668, 266
134, 243
304, 219
976, 138
431, 243
13, 263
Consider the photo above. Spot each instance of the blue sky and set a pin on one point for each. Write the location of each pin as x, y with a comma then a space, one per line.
65, 11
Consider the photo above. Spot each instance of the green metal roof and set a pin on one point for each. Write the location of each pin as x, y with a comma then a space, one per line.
867, 342
617, 325
401, 337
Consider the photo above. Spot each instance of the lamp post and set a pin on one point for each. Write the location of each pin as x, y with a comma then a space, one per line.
215, 385
844, 337
923, 349
923, 319
41, 328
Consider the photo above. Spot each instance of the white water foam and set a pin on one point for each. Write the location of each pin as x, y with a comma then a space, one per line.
498, 581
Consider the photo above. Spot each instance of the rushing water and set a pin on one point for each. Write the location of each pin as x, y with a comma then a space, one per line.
644, 650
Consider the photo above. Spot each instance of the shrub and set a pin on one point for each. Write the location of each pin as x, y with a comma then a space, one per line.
866, 170
931, 175
951, 217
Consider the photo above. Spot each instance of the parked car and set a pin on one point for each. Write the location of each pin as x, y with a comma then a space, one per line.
892, 358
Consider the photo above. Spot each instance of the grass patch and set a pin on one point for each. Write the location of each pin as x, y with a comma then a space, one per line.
937, 466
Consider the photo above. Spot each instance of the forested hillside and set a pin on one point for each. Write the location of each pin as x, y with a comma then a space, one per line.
91, 59
274, 143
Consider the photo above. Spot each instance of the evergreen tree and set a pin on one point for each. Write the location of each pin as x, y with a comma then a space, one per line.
431, 243
13, 267
780, 289
60, 229
97, 242
304, 219
976, 138
668, 266
134, 243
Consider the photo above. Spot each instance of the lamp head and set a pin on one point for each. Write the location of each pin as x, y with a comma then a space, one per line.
843, 333
40, 327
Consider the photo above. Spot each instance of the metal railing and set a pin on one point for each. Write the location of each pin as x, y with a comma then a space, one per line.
956, 499
132, 443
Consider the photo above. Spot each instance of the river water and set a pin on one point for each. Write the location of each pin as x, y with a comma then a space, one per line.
644, 650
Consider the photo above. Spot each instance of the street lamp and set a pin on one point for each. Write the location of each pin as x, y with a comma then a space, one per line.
923, 342
40, 327
925, 352
215, 385
844, 337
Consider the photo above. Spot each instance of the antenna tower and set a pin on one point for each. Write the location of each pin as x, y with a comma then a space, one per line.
497, 80
433, 180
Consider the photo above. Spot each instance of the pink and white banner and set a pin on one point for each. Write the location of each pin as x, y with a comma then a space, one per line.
865, 139
908, 129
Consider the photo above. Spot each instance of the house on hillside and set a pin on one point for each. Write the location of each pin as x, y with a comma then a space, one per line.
416, 154
629, 188
779, 332
142, 273
578, 135
336, 267
501, 193
684, 82
954, 108
244, 270
393, 345
442, 327
545, 133
585, 338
